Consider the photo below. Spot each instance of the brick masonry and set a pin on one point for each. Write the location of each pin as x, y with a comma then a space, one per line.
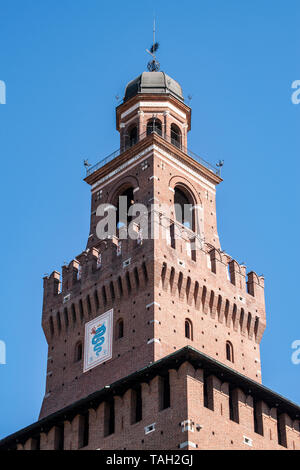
166, 283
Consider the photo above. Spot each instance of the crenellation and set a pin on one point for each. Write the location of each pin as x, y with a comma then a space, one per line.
186, 318
225, 405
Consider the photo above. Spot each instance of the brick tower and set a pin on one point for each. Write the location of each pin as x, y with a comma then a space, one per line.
177, 361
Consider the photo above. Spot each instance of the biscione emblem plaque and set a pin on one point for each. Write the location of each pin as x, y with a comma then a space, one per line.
98, 340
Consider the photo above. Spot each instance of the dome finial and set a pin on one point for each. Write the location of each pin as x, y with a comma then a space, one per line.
153, 65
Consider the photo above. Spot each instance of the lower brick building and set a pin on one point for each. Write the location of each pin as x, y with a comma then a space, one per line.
154, 331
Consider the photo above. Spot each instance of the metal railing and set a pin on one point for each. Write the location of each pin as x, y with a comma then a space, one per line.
172, 139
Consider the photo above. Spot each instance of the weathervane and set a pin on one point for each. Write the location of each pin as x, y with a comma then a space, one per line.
153, 65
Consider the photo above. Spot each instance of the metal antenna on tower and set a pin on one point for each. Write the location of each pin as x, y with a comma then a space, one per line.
153, 65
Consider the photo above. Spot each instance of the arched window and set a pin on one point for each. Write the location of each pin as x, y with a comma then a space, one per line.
123, 205
133, 136
188, 329
154, 125
78, 351
184, 212
120, 328
175, 135
229, 351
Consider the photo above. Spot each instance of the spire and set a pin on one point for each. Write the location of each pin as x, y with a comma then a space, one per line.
153, 65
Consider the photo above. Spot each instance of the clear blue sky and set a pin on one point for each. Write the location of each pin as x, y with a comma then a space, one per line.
63, 63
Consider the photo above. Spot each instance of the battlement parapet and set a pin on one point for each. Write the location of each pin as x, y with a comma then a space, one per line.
252, 414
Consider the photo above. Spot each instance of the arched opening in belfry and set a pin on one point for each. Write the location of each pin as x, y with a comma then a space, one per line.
175, 135
124, 201
133, 136
130, 136
184, 210
154, 126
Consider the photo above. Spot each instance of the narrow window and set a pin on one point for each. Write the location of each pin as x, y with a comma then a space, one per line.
58, 322
164, 392
226, 313
256, 326
180, 282
96, 298
133, 136
211, 301
78, 351
219, 306
208, 392
233, 405
196, 292
242, 316
172, 236
51, 326
83, 430
257, 416
188, 329
81, 310
73, 314
281, 431
104, 297
120, 328
188, 287
249, 321
120, 285
66, 318
128, 283
213, 263
229, 351
184, 213
136, 277
136, 405
145, 271
37, 443
89, 307
175, 135
124, 202
109, 418
112, 291
59, 438
203, 299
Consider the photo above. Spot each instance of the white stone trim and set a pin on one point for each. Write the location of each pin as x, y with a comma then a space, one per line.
124, 166
153, 340
248, 441
172, 161
150, 428
188, 443
195, 176
153, 104
153, 303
